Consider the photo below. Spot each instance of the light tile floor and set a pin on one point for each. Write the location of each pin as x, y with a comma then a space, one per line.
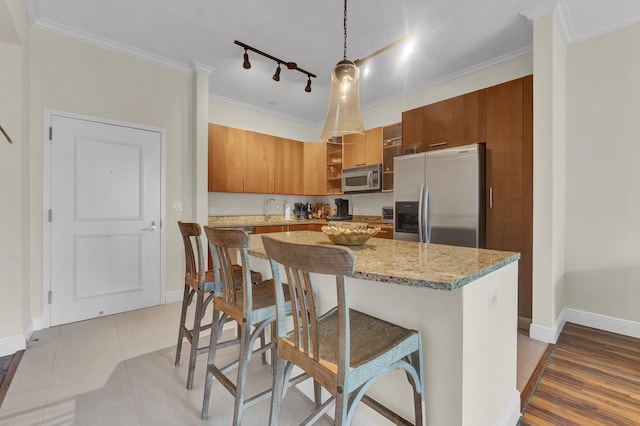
529, 353
119, 370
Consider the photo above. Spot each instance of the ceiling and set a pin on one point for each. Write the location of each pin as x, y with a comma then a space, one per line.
450, 38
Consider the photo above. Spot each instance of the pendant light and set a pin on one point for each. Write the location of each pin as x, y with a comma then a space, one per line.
343, 115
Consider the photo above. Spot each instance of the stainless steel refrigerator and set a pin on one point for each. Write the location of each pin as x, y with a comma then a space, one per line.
439, 196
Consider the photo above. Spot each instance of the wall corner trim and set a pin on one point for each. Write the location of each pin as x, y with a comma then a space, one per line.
548, 334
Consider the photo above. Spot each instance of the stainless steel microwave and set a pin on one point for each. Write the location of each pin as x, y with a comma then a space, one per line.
362, 179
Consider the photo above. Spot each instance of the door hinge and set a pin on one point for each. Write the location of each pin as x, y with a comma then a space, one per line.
50, 133
50, 296
50, 215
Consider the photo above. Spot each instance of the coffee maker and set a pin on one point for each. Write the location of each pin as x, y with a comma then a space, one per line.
342, 210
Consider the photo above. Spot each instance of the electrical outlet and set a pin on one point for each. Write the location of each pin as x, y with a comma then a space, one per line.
176, 206
212, 210
493, 299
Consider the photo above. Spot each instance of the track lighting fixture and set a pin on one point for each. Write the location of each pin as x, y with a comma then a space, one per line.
276, 76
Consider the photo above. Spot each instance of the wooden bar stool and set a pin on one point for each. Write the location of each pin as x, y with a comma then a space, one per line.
253, 309
346, 351
198, 283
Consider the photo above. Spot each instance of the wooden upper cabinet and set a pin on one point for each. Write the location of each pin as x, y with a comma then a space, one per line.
362, 150
412, 126
259, 169
452, 122
354, 150
474, 121
442, 123
227, 153
289, 167
374, 146
314, 168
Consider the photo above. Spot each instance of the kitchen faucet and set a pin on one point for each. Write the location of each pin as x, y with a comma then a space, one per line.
266, 207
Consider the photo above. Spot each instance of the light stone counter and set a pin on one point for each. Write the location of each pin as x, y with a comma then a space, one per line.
409, 263
260, 220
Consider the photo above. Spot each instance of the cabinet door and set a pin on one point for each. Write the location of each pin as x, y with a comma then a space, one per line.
289, 167
334, 168
259, 170
227, 159
267, 229
354, 150
442, 123
412, 125
314, 168
474, 124
373, 146
362, 150
507, 224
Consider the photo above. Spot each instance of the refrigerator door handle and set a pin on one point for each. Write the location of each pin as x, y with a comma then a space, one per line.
427, 215
420, 209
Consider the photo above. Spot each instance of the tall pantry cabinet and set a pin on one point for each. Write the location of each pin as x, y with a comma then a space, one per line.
509, 178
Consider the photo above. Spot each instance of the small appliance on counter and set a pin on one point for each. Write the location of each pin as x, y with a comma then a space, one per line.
342, 210
387, 214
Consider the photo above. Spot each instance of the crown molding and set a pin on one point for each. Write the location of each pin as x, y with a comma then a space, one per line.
262, 110
47, 25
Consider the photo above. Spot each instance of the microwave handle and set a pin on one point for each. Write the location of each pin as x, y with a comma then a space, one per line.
370, 179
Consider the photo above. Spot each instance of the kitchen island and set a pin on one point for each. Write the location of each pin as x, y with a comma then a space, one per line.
463, 300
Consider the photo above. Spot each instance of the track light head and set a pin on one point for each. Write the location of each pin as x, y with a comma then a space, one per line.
276, 76
246, 64
308, 87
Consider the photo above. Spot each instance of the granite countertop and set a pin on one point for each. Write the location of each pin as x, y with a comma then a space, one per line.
260, 220
408, 263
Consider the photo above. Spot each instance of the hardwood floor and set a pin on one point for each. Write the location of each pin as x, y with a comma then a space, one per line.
592, 378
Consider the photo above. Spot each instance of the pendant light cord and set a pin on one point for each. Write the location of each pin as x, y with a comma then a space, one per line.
345, 30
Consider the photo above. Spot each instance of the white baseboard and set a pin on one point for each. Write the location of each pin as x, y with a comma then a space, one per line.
174, 296
588, 319
603, 322
511, 417
11, 345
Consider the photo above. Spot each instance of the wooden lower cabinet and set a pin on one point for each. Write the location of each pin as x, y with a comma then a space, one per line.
266, 229
386, 233
509, 178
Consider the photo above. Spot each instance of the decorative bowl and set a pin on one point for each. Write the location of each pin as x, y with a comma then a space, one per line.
349, 234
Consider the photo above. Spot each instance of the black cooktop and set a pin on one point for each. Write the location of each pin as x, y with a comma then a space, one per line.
336, 218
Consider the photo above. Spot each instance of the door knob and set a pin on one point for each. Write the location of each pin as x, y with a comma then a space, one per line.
151, 228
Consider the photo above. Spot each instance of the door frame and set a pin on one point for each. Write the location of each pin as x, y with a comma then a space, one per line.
46, 181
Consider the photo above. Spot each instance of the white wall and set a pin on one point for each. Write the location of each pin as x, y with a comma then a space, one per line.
603, 175
12, 217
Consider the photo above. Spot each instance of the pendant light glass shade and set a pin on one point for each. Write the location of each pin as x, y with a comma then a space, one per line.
343, 115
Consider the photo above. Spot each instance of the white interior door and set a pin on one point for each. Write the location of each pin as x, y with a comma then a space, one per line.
105, 243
